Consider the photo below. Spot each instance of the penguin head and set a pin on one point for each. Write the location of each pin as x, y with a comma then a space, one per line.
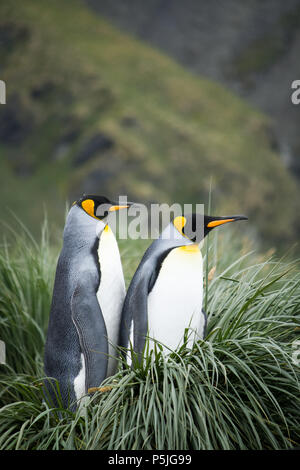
196, 226
98, 207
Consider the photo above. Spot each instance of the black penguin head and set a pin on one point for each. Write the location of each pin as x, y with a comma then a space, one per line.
211, 222
98, 207
197, 226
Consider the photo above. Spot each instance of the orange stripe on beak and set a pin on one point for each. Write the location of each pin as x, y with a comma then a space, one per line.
117, 208
215, 223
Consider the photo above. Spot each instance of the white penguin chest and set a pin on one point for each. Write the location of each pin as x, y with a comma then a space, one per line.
111, 292
175, 302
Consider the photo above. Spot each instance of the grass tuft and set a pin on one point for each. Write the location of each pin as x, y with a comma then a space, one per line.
237, 389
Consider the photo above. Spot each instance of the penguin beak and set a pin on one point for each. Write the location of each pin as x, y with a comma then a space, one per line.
117, 208
224, 220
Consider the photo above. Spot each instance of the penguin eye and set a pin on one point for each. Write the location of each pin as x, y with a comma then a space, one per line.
88, 206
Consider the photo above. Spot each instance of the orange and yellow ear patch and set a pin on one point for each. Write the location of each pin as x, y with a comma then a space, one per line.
89, 206
179, 222
215, 223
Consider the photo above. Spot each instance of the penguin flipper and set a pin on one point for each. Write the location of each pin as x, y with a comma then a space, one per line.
91, 328
141, 316
135, 308
135, 312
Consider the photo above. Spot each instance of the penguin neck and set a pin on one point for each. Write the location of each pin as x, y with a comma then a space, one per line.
82, 230
173, 236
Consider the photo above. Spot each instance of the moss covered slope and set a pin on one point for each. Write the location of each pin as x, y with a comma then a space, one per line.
91, 109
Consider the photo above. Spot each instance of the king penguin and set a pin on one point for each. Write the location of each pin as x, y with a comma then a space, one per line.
165, 295
88, 296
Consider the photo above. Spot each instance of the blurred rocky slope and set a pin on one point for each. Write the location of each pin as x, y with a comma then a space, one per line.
250, 46
92, 109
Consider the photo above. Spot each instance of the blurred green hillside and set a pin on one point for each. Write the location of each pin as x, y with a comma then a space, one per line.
91, 109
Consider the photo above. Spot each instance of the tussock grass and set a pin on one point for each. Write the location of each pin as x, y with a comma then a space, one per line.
238, 389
